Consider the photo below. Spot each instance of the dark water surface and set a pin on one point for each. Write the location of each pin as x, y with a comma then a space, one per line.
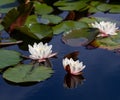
101, 77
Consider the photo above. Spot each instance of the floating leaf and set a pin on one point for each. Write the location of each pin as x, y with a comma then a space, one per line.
92, 6
104, 7
112, 8
8, 58
27, 73
115, 9
6, 2
80, 37
66, 5
88, 20
68, 25
42, 9
50, 19
32, 19
110, 43
36, 31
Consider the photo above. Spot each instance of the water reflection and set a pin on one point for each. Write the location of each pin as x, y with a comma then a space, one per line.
72, 81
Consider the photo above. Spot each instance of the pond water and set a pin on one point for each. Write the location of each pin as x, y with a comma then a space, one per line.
101, 77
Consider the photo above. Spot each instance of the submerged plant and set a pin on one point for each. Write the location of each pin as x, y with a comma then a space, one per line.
40, 51
73, 67
106, 28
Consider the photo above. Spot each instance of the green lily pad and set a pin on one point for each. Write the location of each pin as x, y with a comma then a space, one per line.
80, 37
112, 8
42, 9
63, 5
92, 6
27, 73
39, 33
110, 43
115, 9
104, 7
6, 2
51, 19
66, 5
68, 25
32, 19
9, 58
36, 31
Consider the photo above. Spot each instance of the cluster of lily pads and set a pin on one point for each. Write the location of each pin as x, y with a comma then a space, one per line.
40, 21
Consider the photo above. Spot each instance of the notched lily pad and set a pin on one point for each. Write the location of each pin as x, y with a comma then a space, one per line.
27, 73
9, 58
80, 37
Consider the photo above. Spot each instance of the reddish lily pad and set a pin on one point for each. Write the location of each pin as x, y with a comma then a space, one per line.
80, 37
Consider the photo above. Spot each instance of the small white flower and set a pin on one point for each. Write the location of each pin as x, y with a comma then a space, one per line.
73, 67
106, 28
40, 51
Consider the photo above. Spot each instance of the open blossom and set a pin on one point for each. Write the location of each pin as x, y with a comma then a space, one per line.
40, 51
73, 67
106, 28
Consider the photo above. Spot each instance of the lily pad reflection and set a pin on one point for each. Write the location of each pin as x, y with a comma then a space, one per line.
80, 37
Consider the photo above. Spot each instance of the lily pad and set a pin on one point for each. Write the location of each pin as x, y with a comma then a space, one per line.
42, 9
104, 7
52, 19
6, 2
66, 5
68, 25
36, 31
27, 73
80, 37
9, 58
112, 8
115, 9
110, 43
92, 6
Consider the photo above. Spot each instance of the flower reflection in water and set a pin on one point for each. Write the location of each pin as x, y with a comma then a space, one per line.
72, 81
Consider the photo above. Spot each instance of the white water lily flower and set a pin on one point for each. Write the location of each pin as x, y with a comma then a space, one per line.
106, 28
73, 67
40, 51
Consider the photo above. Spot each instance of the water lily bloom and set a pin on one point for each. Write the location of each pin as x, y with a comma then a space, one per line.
106, 28
73, 67
40, 51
